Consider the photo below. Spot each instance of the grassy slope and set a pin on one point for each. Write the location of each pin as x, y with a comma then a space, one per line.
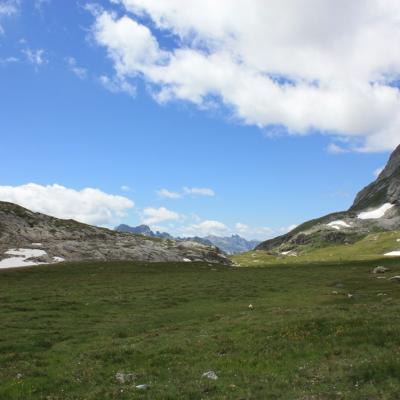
69, 328
371, 247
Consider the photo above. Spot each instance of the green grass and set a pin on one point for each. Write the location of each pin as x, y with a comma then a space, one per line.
69, 329
372, 247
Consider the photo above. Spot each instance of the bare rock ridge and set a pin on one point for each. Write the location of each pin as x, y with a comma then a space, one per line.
386, 188
70, 240
376, 208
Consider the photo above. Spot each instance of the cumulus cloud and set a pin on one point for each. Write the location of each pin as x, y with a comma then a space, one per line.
307, 65
258, 232
208, 227
151, 216
88, 205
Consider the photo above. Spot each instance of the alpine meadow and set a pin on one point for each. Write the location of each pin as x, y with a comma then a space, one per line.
200, 200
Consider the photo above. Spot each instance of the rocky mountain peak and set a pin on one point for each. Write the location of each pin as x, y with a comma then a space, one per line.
385, 189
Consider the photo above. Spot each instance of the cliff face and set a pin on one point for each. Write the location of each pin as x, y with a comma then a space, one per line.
74, 241
386, 188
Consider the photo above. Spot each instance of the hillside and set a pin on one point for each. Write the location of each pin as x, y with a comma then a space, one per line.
37, 238
375, 209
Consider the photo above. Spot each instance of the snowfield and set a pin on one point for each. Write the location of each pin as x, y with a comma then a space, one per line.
22, 258
377, 213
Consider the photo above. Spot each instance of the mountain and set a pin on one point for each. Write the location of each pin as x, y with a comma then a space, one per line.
143, 230
230, 244
376, 208
39, 238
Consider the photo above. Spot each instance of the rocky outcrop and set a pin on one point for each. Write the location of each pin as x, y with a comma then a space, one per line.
74, 241
386, 188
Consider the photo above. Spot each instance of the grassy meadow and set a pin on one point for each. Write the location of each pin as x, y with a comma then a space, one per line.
369, 248
67, 330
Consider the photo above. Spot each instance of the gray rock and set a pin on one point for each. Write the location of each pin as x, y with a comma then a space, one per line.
143, 387
210, 375
395, 278
380, 270
125, 377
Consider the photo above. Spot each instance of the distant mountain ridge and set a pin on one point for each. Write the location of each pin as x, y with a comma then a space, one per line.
229, 244
376, 208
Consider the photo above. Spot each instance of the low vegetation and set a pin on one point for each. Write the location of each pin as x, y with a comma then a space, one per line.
371, 247
70, 331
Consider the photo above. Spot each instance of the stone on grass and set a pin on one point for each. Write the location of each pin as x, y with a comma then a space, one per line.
395, 278
125, 377
143, 387
210, 375
380, 270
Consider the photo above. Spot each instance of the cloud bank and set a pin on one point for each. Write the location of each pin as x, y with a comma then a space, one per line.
305, 65
88, 205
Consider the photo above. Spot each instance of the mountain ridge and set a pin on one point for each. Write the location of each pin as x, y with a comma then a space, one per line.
233, 244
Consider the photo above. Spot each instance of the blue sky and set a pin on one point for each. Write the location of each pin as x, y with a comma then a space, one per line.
75, 115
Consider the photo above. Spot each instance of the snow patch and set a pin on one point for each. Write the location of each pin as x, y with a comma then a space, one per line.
37, 244
289, 253
187, 260
23, 258
377, 213
338, 225
393, 254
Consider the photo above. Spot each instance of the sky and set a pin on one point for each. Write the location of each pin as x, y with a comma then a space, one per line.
196, 117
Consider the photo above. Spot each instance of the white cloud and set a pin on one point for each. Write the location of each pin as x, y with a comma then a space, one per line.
306, 64
168, 194
334, 148
287, 229
8, 60
186, 191
205, 228
8, 8
151, 216
378, 171
88, 205
250, 232
125, 188
80, 72
199, 191
117, 85
36, 57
